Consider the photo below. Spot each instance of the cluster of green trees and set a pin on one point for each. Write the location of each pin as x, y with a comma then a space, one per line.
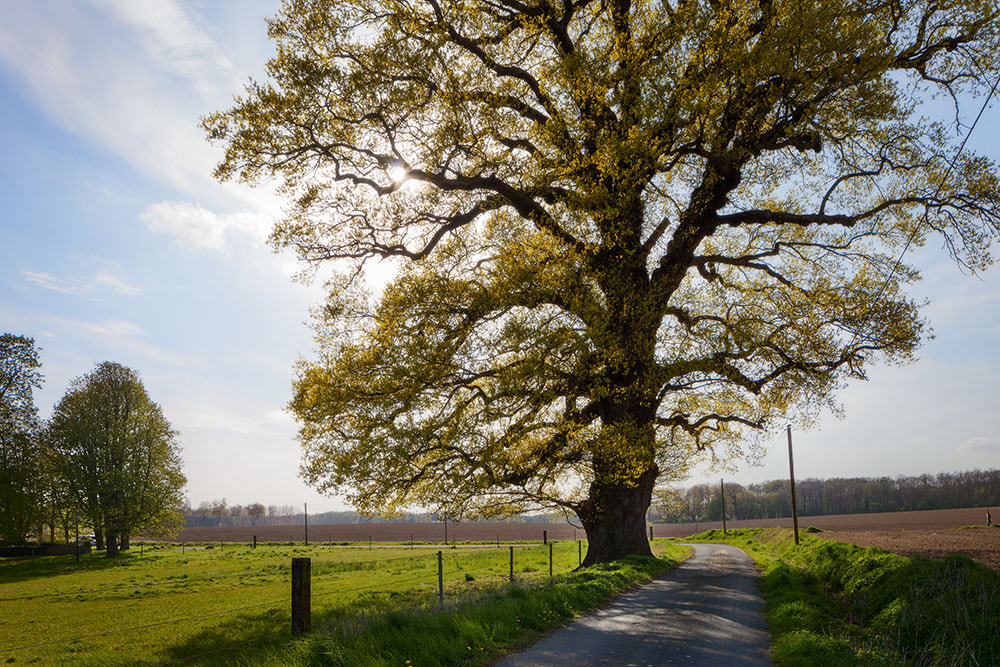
107, 459
817, 497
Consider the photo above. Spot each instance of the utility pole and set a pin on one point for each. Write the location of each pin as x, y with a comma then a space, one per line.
791, 479
723, 485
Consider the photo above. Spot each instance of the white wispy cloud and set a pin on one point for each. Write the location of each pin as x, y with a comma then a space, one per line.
279, 417
214, 412
99, 282
133, 77
116, 284
196, 227
114, 328
222, 421
170, 37
980, 445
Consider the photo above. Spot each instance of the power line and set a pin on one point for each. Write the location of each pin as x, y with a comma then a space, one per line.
913, 234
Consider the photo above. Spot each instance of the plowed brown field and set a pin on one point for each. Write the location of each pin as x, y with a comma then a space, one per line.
980, 544
932, 533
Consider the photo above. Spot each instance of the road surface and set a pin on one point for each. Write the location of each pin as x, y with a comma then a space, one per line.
707, 611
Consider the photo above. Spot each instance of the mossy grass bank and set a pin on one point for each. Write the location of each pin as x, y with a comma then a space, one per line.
830, 603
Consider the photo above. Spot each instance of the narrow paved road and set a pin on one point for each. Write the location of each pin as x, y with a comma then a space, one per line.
707, 611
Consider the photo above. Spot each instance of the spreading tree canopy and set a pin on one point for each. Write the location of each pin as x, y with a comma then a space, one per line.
640, 229
116, 450
20, 449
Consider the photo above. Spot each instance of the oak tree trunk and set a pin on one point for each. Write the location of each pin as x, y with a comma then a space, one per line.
615, 520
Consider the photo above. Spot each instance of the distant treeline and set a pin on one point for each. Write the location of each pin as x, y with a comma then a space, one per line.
856, 495
218, 513
702, 502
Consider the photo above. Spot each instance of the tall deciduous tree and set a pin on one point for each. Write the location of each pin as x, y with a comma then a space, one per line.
20, 450
642, 229
118, 452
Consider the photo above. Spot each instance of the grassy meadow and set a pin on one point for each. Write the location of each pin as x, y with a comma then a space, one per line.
231, 605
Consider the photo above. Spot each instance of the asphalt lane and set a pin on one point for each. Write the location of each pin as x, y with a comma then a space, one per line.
707, 611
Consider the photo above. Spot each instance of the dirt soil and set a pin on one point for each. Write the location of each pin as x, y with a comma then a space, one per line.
932, 533
980, 544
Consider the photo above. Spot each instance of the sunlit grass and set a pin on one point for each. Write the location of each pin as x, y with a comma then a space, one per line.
234, 597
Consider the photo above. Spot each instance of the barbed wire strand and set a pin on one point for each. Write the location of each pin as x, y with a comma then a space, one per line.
363, 564
913, 235
211, 577
529, 580
373, 586
144, 626
224, 648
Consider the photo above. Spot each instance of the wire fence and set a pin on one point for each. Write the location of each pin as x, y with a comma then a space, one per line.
452, 576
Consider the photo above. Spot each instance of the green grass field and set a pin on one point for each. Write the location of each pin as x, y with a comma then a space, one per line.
232, 605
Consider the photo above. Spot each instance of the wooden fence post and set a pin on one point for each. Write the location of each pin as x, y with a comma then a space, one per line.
579, 553
550, 559
301, 600
440, 580
511, 564
545, 537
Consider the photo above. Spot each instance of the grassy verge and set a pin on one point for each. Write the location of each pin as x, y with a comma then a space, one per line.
830, 603
472, 634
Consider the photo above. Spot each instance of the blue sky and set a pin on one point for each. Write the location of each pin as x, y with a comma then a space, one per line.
116, 244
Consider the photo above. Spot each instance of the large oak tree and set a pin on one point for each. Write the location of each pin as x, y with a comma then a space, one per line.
639, 230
